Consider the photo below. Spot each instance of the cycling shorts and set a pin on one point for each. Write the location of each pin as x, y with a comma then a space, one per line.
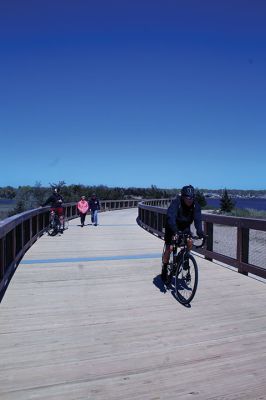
58, 210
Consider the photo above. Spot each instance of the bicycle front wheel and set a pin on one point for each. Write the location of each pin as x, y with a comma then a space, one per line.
51, 228
186, 279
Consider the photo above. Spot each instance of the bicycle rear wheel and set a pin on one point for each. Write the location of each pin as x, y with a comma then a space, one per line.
51, 228
186, 279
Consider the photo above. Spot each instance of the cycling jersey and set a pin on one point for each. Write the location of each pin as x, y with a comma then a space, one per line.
180, 217
54, 201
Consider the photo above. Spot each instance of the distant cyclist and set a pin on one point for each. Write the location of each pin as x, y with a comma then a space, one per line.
182, 212
56, 202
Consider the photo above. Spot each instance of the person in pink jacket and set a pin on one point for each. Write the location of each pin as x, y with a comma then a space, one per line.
83, 208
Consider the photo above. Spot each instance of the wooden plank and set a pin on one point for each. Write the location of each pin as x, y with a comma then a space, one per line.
105, 329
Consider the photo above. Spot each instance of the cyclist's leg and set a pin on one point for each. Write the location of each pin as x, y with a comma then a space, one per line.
165, 261
61, 219
51, 216
166, 252
51, 226
168, 241
60, 213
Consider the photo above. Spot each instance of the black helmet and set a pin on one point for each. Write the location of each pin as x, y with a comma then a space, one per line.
188, 191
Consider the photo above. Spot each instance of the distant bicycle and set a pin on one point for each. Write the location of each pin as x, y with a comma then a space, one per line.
54, 224
182, 269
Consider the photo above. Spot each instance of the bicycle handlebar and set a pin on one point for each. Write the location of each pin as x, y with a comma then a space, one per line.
189, 235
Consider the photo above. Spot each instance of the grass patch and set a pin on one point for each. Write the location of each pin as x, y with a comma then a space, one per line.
5, 210
244, 213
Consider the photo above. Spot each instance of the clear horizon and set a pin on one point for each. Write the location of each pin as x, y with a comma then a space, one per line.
125, 94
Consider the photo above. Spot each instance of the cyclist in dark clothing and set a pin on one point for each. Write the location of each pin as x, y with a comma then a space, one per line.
182, 212
56, 202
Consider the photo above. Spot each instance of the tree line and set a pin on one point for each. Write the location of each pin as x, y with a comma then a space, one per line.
29, 197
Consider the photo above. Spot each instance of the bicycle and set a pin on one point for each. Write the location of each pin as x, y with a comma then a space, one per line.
54, 224
182, 268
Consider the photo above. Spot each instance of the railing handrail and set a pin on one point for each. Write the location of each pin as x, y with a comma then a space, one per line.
7, 224
153, 218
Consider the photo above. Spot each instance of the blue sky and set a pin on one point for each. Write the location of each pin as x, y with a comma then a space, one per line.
133, 93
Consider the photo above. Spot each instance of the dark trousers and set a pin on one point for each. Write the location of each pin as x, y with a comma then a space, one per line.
82, 218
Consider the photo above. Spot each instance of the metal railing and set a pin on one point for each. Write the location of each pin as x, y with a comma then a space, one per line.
243, 239
20, 232
118, 204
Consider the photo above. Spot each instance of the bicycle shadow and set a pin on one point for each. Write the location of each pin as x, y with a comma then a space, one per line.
157, 281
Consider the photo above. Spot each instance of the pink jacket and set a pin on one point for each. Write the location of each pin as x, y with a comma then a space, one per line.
83, 206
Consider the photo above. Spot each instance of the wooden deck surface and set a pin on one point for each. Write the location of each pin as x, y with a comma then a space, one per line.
86, 317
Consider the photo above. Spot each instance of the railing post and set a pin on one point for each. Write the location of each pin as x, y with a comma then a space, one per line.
37, 225
2, 257
14, 244
208, 230
30, 233
242, 248
22, 235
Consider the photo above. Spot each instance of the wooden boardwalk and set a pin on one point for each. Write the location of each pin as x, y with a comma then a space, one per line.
86, 317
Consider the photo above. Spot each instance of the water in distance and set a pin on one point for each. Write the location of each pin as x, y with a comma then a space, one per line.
254, 203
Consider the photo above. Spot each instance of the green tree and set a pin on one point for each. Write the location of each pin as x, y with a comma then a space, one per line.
200, 198
226, 203
39, 194
7, 192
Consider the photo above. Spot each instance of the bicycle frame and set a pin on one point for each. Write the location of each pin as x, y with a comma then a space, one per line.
185, 247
